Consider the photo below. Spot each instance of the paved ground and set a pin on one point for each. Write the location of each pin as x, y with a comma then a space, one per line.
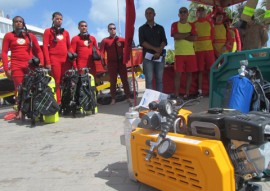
81, 154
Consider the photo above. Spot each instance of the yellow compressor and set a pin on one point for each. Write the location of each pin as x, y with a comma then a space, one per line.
215, 150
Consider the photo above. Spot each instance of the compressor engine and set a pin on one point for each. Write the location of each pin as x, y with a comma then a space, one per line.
245, 137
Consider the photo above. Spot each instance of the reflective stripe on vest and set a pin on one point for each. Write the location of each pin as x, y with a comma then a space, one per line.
219, 40
248, 11
267, 14
202, 38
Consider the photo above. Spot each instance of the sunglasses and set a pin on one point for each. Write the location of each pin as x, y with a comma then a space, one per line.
112, 28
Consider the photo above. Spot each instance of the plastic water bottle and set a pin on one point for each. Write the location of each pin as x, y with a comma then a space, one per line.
131, 122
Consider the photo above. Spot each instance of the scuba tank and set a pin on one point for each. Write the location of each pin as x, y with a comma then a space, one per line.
131, 122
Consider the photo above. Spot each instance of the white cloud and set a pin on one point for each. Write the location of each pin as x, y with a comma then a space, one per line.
71, 25
100, 34
105, 12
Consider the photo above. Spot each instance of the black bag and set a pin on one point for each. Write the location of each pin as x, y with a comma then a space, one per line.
86, 94
44, 103
69, 86
25, 95
95, 54
35, 97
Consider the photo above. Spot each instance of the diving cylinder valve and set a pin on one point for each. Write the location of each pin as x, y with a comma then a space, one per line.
131, 122
243, 65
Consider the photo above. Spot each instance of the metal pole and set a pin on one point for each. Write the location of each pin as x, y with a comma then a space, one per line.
119, 28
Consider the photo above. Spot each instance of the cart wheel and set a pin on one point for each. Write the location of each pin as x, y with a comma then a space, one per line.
130, 83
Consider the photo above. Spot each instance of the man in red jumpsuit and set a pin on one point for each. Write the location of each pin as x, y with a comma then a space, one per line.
82, 44
23, 47
56, 45
114, 46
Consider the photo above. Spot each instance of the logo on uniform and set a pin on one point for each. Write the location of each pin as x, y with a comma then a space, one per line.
60, 37
21, 41
86, 42
119, 44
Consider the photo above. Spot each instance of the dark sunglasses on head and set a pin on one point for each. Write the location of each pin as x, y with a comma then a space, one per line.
112, 28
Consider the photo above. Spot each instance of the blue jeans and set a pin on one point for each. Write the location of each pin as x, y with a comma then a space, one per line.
151, 69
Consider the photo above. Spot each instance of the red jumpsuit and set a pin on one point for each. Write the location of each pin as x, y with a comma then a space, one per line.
83, 47
114, 49
55, 54
21, 53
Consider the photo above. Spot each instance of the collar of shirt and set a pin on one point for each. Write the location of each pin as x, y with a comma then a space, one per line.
150, 25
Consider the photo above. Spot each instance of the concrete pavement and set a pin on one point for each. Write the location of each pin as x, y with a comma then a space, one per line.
82, 154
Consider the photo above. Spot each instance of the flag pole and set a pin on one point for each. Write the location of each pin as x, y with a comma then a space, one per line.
118, 17
129, 33
133, 78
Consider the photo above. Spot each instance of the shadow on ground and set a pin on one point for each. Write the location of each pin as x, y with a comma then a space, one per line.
117, 178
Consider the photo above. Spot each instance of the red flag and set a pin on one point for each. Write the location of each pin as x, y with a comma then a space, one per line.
129, 30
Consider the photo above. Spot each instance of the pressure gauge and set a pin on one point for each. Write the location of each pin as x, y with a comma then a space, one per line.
151, 120
180, 125
165, 107
166, 148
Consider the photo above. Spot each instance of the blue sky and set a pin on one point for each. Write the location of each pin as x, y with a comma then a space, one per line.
98, 13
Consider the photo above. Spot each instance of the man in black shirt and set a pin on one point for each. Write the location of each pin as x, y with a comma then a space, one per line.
153, 40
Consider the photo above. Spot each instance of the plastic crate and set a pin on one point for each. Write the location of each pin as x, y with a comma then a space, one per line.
229, 68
